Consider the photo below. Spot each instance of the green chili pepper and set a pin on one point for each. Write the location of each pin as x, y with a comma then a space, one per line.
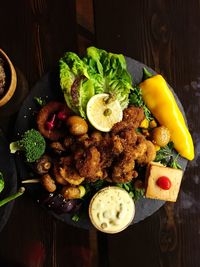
1, 182
12, 197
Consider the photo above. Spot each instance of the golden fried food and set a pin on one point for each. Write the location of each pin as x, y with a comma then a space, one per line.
149, 155
68, 141
58, 177
95, 155
71, 176
48, 183
117, 145
139, 148
123, 170
57, 147
106, 153
132, 117
68, 171
46, 114
70, 192
89, 164
97, 136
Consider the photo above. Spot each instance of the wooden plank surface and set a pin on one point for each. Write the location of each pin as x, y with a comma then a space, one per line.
35, 34
166, 36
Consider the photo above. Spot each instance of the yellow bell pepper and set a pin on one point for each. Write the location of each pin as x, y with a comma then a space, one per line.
153, 124
144, 124
161, 102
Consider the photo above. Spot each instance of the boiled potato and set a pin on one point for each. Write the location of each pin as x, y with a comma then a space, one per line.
161, 136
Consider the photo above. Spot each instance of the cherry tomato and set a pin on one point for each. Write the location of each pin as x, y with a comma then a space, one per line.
62, 115
164, 182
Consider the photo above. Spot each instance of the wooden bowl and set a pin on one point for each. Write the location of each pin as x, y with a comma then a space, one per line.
11, 79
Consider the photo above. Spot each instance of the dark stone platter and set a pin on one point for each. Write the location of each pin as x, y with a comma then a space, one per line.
48, 89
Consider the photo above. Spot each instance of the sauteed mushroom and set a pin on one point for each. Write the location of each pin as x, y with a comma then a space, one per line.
43, 164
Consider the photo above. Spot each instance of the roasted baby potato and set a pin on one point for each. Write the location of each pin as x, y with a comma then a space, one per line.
70, 192
161, 136
77, 125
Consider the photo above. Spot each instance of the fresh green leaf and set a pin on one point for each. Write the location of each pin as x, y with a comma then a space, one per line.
137, 100
41, 102
99, 184
126, 187
174, 162
146, 74
1, 182
75, 218
167, 156
98, 72
72, 73
109, 74
138, 193
135, 193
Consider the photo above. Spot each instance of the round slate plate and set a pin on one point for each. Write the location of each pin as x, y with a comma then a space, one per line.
48, 89
8, 169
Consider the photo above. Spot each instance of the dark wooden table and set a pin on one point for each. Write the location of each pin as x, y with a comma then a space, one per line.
164, 35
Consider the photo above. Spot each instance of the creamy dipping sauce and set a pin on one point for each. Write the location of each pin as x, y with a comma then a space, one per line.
111, 210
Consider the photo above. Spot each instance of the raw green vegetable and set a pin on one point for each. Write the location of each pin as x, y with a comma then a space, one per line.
41, 102
109, 74
75, 218
12, 197
146, 74
135, 193
135, 99
1, 182
167, 156
98, 72
32, 144
75, 83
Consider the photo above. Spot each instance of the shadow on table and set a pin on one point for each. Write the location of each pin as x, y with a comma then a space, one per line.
6, 264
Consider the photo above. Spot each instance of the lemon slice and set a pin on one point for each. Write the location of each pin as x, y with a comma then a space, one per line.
103, 112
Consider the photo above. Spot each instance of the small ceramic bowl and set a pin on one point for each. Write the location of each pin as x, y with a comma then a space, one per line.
11, 79
111, 210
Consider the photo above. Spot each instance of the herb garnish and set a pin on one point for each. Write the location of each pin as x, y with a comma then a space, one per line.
136, 99
135, 193
166, 155
41, 102
75, 218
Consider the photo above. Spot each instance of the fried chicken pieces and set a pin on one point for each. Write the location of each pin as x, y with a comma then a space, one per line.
96, 155
112, 156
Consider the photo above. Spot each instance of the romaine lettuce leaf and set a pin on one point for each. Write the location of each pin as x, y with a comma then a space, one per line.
109, 74
72, 72
98, 72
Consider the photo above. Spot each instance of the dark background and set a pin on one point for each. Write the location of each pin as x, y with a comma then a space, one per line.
165, 35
